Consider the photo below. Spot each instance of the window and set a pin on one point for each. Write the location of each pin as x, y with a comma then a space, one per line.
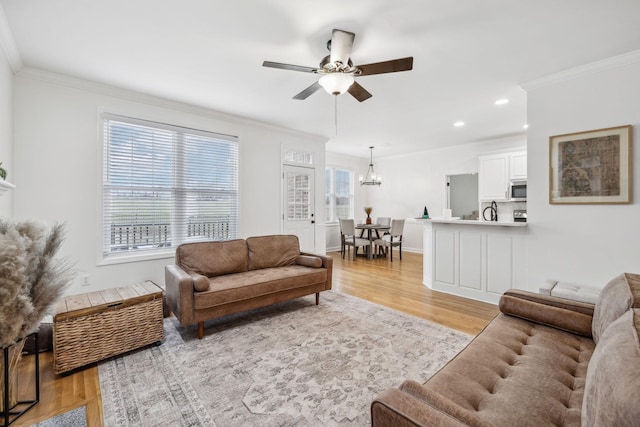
164, 185
295, 156
338, 194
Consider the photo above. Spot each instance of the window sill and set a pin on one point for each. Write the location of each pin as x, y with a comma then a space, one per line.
137, 257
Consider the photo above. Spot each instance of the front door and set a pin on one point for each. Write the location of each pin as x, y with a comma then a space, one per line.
299, 208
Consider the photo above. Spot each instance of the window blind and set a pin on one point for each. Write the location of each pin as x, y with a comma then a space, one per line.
164, 185
338, 194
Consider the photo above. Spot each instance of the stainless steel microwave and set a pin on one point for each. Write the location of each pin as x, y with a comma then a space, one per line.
518, 192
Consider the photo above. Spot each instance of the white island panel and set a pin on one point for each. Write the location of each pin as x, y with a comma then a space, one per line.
474, 260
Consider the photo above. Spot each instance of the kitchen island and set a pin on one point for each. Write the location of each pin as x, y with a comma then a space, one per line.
474, 259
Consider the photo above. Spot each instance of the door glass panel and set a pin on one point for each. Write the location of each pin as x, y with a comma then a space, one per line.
298, 196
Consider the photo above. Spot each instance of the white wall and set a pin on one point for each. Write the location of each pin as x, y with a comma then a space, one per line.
587, 244
6, 131
58, 174
412, 181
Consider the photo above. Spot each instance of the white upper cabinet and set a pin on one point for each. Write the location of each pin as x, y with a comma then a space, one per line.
496, 170
518, 166
493, 177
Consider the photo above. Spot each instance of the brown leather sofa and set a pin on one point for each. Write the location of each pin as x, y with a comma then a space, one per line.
543, 361
214, 279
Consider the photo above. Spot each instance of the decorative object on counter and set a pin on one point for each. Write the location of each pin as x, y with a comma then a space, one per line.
446, 213
3, 172
368, 211
371, 178
591, 167
31, 282
493, 212
425, 213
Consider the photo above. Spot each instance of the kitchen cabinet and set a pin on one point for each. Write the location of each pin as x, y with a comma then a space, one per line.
518, 166
495, 171
493, 178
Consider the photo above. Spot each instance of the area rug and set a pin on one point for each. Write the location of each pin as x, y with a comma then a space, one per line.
74, 418
291, 364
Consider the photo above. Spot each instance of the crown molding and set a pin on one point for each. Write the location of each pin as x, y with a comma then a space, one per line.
8, 43
618, 61
131, 95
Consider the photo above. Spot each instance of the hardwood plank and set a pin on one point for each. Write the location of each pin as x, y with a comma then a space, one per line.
396, 284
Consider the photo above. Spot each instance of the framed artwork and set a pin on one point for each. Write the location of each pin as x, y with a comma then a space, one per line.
591, 167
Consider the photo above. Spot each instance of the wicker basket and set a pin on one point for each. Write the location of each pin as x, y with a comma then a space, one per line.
90, 334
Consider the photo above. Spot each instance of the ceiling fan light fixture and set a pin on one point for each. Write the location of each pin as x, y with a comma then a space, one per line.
336, 83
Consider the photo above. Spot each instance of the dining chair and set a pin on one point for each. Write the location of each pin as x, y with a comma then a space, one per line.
393, 239
349, 238
384, 220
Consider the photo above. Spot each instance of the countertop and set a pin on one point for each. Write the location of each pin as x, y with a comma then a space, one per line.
474, 222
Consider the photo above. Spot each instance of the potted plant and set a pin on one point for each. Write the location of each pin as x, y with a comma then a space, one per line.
368, 211
31, 282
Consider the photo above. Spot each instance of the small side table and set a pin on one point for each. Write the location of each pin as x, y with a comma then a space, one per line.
95, 326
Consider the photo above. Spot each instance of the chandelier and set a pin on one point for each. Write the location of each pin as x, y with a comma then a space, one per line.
371, 178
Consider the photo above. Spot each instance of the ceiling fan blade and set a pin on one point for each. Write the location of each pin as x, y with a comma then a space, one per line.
308, 91
289, 67
402, 64
341, 44
358, 92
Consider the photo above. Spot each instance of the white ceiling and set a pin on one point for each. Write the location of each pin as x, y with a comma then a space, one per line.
467, 54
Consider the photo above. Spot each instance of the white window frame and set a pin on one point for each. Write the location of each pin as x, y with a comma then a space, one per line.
330, 191
106, 258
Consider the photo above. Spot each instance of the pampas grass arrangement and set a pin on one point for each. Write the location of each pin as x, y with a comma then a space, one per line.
31, 281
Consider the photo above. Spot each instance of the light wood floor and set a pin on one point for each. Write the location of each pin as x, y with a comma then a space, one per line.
396, 284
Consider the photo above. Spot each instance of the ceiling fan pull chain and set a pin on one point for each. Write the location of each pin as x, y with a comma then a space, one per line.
335, 112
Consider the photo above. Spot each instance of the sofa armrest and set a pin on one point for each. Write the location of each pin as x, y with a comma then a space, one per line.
568, 315
395, 408
179, 291
327, 262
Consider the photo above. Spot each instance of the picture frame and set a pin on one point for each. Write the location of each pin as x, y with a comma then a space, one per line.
591, 167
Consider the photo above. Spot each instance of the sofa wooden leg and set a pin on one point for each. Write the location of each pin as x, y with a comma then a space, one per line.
200, 330
317, 298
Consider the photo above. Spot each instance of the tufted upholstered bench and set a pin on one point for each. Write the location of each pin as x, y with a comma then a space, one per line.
543, 361
568, 290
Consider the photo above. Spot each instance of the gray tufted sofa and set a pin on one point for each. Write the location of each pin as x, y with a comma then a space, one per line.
543, 361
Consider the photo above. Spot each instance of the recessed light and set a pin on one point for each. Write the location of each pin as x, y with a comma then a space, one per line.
526, 126
502, 101
458, 124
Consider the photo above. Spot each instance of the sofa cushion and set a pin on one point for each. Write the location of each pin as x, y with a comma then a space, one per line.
272, 251
250, 284
571, 316
515, 373
213, 258
617, 297
309, 261
611, 392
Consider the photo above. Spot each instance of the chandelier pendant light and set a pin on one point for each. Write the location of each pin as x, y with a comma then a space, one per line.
371, 178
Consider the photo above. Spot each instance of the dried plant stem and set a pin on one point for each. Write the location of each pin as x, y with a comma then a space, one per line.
15, 355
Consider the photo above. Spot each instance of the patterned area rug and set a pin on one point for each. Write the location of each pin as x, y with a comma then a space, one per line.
74, 418
291, 364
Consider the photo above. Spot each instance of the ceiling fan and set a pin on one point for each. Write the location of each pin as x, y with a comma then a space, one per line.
338, 71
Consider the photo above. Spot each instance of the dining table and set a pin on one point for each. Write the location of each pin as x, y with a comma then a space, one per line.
371, 229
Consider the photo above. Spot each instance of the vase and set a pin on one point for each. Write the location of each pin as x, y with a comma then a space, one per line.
368, 219
11, 358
